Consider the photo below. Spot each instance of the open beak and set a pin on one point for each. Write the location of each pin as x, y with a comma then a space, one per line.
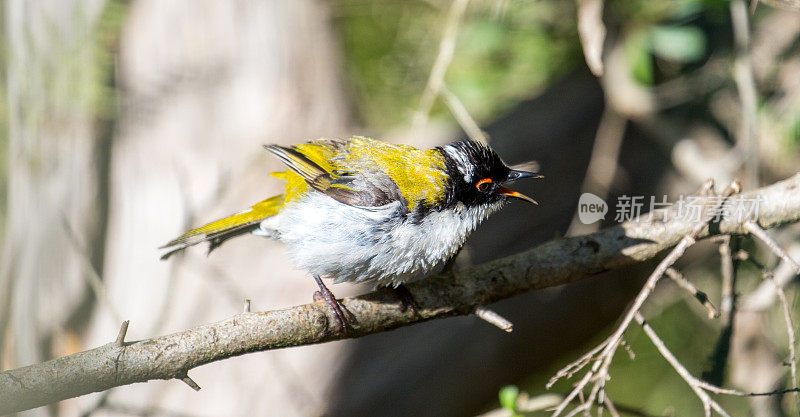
513, 176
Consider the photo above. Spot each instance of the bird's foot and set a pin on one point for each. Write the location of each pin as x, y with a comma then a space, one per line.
407, 301
340, 313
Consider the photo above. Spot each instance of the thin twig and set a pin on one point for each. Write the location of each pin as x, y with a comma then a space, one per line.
787, 317
762, 235
684, 283
602, 164
695, 384
747, 139
494, 319
92, 276
609, 405
728, 279
599, 370
592, 33
764, 296
446, 49
462, 116
722, 347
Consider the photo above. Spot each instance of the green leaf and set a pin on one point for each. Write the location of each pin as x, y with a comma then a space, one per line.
637, 51
678, 43
508, 397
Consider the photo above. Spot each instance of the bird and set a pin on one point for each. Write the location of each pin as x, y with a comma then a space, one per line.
363, 210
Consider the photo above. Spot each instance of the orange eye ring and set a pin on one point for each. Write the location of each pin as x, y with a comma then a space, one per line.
483, 185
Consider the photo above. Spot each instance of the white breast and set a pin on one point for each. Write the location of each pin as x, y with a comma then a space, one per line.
346, 243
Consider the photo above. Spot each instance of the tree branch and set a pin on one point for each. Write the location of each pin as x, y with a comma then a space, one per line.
556, 262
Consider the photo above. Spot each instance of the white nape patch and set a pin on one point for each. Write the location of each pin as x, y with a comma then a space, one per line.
346, 243
465, 166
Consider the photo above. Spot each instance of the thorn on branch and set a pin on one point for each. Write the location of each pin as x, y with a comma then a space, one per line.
123, 330
189, 381
494, 319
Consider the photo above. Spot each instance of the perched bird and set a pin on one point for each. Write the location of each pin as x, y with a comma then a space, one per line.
359, 209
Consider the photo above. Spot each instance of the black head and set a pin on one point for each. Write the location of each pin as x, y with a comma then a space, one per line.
478, 174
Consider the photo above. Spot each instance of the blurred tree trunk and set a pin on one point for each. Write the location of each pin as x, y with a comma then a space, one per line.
203, 85
58, 151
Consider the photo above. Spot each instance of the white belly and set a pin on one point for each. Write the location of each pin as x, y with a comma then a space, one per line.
346, 243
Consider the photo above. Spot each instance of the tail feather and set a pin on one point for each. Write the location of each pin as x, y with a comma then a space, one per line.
223, 229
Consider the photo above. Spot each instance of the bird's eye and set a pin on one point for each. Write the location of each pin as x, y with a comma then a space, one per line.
483, 185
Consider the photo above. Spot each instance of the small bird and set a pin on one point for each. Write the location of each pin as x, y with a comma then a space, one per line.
360, 209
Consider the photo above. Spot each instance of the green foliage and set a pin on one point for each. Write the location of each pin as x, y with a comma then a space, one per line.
637, 51
678, 43
667, 39
508, 398
501, 56
792, 135
106, 45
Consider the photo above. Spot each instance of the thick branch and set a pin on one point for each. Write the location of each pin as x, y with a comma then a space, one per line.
553, 263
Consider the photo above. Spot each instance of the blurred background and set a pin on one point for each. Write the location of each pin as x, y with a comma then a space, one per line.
126, 122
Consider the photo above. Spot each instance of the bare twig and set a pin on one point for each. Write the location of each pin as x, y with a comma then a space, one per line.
695, 384
599, 370
764, 296
747, 140
462, 116
494, 319
592, 32
602, 164
787, 317
92, 276
556, 262
447, 47
684, 283
722, 347
728, 279
762, 235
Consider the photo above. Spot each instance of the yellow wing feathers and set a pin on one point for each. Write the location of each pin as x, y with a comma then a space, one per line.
420, 175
